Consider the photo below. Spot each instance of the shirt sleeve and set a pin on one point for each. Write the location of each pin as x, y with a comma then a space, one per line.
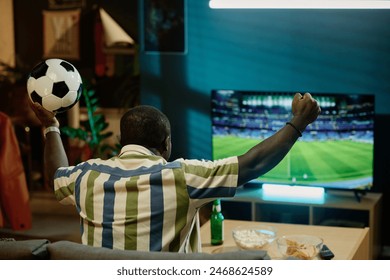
65, 179
211, 179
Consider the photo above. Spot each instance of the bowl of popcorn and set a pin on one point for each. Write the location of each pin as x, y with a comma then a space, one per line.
300, 246
255, 237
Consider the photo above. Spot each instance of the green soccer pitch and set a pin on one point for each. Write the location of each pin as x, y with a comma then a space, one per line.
309, 162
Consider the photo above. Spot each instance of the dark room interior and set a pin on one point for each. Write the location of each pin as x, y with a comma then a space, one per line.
176, 64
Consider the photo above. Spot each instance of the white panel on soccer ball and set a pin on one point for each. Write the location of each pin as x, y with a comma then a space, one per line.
73, 81
52, 102
31, 85
43, 86
55, 71
69, 98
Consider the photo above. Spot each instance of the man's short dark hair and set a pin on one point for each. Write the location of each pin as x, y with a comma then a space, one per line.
144, 125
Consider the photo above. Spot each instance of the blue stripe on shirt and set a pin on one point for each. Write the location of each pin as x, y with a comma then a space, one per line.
77, 190
157, 212
108, 212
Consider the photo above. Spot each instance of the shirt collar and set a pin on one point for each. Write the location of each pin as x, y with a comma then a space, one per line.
135, 149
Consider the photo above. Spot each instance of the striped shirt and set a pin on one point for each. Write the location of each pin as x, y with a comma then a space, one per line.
139, 201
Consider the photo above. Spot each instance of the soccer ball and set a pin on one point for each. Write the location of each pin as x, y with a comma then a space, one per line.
55, 84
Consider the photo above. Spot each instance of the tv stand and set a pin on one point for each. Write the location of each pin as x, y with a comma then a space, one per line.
358, 194
340, 208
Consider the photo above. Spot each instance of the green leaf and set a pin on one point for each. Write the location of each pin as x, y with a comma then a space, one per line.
105, 135
90, 93
99, 118
74, 133
93, 108
94, 101
100, 126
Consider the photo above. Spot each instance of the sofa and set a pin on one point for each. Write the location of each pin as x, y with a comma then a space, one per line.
43, 249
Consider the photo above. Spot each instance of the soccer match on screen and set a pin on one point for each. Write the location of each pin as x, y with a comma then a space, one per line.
336, 151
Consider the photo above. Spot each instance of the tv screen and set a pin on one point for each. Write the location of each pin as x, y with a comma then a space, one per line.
336, 151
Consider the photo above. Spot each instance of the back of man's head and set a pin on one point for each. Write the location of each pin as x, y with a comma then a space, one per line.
144, 125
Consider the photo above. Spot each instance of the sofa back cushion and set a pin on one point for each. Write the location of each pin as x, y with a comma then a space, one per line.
34, 249
67, 250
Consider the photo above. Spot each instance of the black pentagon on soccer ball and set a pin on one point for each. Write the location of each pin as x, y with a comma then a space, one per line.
60, 89
68, 67
36, 97
39, 70
63, 109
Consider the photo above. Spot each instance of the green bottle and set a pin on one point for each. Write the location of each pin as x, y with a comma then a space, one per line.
216, 223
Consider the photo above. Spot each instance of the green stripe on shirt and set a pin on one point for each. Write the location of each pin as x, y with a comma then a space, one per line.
182, 205
131, 214
89, 205
216, 170
64, 192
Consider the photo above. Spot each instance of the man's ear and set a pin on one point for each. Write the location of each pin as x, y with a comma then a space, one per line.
166, 143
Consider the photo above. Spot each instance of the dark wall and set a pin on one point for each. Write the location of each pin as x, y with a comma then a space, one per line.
28, 31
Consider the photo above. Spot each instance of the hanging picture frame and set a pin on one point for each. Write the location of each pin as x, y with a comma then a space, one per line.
61, 30
164, 26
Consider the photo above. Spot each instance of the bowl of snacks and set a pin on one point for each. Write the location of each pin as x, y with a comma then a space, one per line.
300, 246
254, 237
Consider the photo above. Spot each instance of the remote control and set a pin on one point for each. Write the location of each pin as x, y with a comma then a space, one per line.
326, 253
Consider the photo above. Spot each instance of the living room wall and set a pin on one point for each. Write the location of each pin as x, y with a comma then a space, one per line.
336, 51
281, 50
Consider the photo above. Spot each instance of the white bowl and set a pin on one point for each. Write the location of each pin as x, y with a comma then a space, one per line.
300, 246
253, 237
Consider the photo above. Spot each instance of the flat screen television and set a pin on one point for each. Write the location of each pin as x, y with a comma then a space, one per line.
336, 151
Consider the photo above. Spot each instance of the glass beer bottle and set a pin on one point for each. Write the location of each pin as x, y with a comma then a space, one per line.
216, 223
